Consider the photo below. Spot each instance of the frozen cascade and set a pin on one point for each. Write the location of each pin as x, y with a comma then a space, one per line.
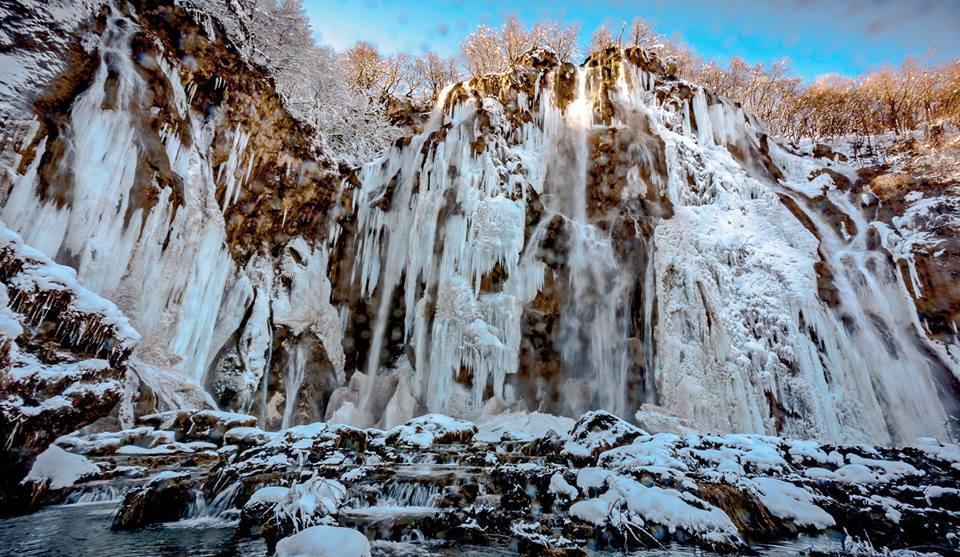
292, 380
560, 239
902, 370
439, 259
728, 327
592, 333
166, 267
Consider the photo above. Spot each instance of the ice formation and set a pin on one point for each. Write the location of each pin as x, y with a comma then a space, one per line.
556, 238
742, 307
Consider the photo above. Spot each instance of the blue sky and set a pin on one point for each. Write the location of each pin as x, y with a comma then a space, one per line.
848, 37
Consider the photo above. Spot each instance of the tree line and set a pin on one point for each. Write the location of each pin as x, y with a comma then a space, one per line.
345, 94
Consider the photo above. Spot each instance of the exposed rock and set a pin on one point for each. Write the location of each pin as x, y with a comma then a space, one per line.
63, 353
722, 492
166, 498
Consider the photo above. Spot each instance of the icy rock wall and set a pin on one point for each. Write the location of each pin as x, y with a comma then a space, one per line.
558, 238
678, 255
166, 265
63, 354
143, 151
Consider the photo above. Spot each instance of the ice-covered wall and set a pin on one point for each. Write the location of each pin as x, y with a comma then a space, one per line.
557, 238
673, 252
142, 163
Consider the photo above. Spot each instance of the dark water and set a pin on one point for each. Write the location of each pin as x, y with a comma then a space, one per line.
84, 530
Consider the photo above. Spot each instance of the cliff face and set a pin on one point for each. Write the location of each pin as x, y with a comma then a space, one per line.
154, 159
558, 238
63, 355
606, 236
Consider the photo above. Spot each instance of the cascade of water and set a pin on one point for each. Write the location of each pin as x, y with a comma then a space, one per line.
728, 309
592, 335
887, 341
649, 297
293, 376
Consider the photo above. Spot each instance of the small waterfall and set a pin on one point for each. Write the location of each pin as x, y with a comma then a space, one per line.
649, 299
883, 339
593, 326
100, 494
293, 376
219, 512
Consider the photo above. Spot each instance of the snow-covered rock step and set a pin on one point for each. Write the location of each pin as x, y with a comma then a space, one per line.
602, 484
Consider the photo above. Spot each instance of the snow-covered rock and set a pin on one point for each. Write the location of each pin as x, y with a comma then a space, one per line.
430, 430
57, 469
63, 353
324, 541
712, 491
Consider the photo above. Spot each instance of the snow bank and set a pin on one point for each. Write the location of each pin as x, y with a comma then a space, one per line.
785, 500
324, 541
521, 426
60, 468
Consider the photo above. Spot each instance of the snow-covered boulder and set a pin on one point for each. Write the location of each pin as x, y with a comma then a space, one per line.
324, 541
199, 425
57, 469
432, 429
600, 431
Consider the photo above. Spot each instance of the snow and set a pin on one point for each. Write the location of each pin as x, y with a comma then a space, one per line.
645, 452
615, 432
595, 511
241, 435
430, 429
945, 451
324, 541
521, 426
560, 487
786, 500
164, 449
592, 478
667, 507
305, 501
60, 468
39, 273
269, 494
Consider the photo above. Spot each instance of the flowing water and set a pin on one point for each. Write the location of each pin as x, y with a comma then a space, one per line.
84, 529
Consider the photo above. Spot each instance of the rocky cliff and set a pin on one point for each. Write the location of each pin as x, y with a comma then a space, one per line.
63, 357
558, 237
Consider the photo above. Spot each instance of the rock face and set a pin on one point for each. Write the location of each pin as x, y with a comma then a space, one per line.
63, 354
557, 238
606, 236
153, 157
598, 484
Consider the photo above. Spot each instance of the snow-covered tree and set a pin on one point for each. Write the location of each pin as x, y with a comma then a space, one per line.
315, 83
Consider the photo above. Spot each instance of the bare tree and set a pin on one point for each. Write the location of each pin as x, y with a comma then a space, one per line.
560, 40
364, 65
434, 73
482, 52
642, 34
601, 39
488, 51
